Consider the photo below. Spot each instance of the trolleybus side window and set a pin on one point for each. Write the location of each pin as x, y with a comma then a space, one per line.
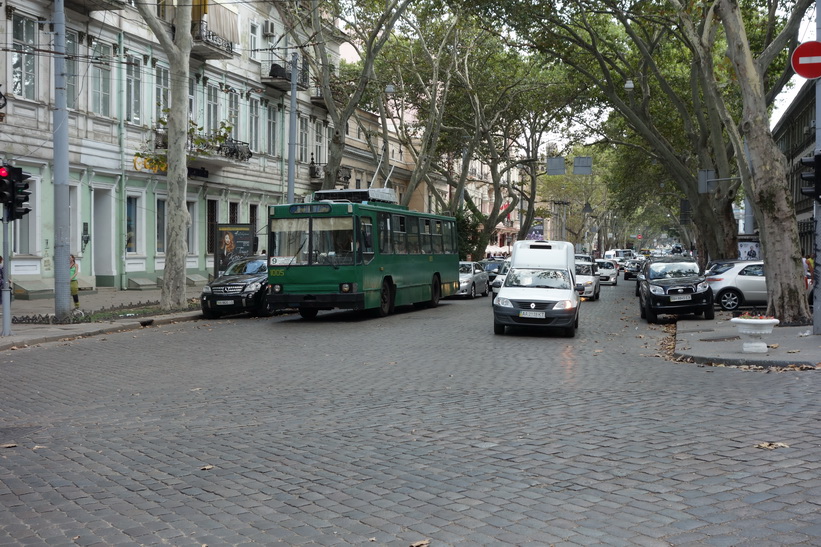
384, 228
413, 236
424, 237
436, 237
365, 242
400, 244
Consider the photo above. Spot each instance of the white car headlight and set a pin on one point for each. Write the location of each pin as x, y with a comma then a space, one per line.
503, 302
206, 289
702, 287
655, 289
564, 305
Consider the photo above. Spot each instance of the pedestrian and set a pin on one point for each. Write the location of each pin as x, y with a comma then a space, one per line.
74, 269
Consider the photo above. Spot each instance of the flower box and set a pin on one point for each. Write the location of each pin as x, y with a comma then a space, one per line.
752, 330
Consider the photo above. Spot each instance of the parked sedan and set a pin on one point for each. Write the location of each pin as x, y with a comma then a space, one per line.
243, 287
737, 283
472, 279
632, 268
608, 271
673, 285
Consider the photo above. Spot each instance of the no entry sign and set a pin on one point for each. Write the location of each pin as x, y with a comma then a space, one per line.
806, 60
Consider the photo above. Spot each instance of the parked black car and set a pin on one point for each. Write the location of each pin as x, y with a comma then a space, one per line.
674, 285
243, 287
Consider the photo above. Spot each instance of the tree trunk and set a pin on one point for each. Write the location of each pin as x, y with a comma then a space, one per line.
766, 182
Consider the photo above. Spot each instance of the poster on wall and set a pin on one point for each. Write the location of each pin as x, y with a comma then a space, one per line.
233, 241
536, 232
749, 250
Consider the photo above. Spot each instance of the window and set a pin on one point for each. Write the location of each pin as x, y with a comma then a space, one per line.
303, 140
253, 124
101, 79
212, 109
131, 225
233, 212
192, 100
71, 69
233, 114
133, 89
271, 141
23, 60
191, 240
211, 225
161, 225
253, 42
319, 144
163, 89
253, 216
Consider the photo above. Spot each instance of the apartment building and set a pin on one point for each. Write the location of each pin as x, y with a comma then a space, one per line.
118, 87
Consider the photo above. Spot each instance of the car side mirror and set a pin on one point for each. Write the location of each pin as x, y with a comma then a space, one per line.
496, 284
640, 277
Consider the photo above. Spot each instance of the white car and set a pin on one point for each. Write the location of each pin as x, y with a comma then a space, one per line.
499, 280
608, 271
587, 275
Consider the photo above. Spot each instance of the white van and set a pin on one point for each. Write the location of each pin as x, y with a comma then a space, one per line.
619, 256
540, 288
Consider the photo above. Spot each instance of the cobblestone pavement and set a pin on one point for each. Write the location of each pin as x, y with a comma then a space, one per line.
349, 430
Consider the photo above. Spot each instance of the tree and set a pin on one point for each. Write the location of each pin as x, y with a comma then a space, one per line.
366, 27
765, 176
178, 51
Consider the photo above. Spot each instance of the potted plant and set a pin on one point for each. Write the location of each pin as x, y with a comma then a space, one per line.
752, 328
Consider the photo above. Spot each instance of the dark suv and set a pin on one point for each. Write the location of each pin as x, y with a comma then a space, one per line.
673, 285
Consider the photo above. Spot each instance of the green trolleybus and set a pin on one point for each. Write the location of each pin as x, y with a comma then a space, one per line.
358, 250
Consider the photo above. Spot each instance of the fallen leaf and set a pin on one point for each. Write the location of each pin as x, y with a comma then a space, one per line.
206, 467
793, 351
772, 446
9, 445
773, 346
422, 543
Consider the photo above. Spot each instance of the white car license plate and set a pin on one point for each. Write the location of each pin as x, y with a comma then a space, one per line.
680, 297
225, 302
532, 314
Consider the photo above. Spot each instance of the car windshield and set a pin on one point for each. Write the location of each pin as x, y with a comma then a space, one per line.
584, 269
672, 270
538, 278
465, 267
606, 265
493, 266
246, 267
720, 268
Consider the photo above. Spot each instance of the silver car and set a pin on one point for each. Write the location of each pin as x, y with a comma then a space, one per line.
608, 272
473, 279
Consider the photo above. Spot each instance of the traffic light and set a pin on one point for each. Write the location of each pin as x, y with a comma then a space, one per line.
813, 176
20, 193
6, 185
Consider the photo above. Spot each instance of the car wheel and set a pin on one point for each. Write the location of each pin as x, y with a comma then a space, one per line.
650, 315
308, 313
616, 280
642, 309
264, 308
498, 328
710, 313
472, 293
637, 289
487, 289
730, 300
210, 314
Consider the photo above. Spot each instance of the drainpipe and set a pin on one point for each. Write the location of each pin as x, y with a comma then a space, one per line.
121, 140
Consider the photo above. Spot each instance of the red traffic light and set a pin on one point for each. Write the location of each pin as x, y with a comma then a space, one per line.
4, 172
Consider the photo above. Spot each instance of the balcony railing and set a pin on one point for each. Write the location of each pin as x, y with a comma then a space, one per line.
208, 44
204, 146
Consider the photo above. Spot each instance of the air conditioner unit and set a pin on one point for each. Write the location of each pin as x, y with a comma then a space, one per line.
268, 28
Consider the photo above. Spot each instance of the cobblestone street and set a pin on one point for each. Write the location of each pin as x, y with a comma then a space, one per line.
350, 430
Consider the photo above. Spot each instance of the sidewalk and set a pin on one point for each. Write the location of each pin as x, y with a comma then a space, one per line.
27, 334
699, 340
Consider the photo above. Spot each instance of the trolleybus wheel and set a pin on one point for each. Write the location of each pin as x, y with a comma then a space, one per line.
308, 313
385, 300
435, 292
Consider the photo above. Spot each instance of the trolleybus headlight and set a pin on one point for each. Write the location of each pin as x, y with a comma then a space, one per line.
276, 288
347, 287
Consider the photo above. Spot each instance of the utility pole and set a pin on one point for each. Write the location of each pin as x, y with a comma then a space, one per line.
292, 129
62, 223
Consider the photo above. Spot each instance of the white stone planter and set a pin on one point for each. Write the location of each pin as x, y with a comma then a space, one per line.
752, 332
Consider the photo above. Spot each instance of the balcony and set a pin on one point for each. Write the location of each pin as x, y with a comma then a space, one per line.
205, 149
277, 74
208, 44
85, 6
316, 97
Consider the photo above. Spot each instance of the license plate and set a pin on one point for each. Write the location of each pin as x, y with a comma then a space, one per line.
532, 314
680, 297
225, 302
